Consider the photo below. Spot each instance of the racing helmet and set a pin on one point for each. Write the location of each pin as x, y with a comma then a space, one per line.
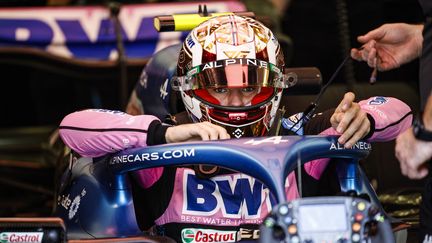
230, 73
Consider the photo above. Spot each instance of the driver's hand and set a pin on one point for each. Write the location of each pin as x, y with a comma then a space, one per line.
350, 121
195, 132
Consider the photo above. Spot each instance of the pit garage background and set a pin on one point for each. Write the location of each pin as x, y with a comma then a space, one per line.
57, 57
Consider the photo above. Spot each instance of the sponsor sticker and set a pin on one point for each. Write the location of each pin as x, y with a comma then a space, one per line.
71, 206
169, 154
359, 145
193, 71
294, 123
241, 61
107, 111
143, 79
248, 234
190, 42
164, 89
191, 235
274, 140
238, 133
379, 100
21, 237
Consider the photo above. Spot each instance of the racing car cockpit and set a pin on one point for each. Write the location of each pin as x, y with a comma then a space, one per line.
102, 203
96, 201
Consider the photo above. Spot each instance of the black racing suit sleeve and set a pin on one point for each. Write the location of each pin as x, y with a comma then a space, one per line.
318, 123
321, 122
156, 133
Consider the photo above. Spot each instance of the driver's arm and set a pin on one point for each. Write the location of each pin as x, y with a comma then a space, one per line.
388, 118
97, 132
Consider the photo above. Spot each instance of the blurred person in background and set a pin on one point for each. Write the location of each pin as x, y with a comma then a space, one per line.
386, 48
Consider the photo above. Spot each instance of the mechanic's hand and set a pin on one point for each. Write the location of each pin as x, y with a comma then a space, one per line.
194, 132
390, 46
412, 155
350, 121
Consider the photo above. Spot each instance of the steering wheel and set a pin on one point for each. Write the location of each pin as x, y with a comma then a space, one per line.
326, 219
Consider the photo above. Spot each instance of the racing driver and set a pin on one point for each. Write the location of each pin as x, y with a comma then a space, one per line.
230, 78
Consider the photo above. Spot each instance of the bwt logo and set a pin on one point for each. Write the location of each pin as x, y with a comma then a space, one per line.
96, 40
235, 197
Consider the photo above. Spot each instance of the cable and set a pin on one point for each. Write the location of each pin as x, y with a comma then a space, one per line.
345, 40
114, 9
310, 110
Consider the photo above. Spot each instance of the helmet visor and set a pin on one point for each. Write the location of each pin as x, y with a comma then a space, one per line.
231, 73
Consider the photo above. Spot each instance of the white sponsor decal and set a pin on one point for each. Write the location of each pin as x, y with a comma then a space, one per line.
64, 201
164, 89
106, 111
274, 140
238, 133
143, 79
75, 204
375, 109
170, 154
427, 239
71, 205
358, 145
227, 62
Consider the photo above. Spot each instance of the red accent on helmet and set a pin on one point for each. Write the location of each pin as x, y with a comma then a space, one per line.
262, 55
208, 57
237, 118
205, 95
265, 94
